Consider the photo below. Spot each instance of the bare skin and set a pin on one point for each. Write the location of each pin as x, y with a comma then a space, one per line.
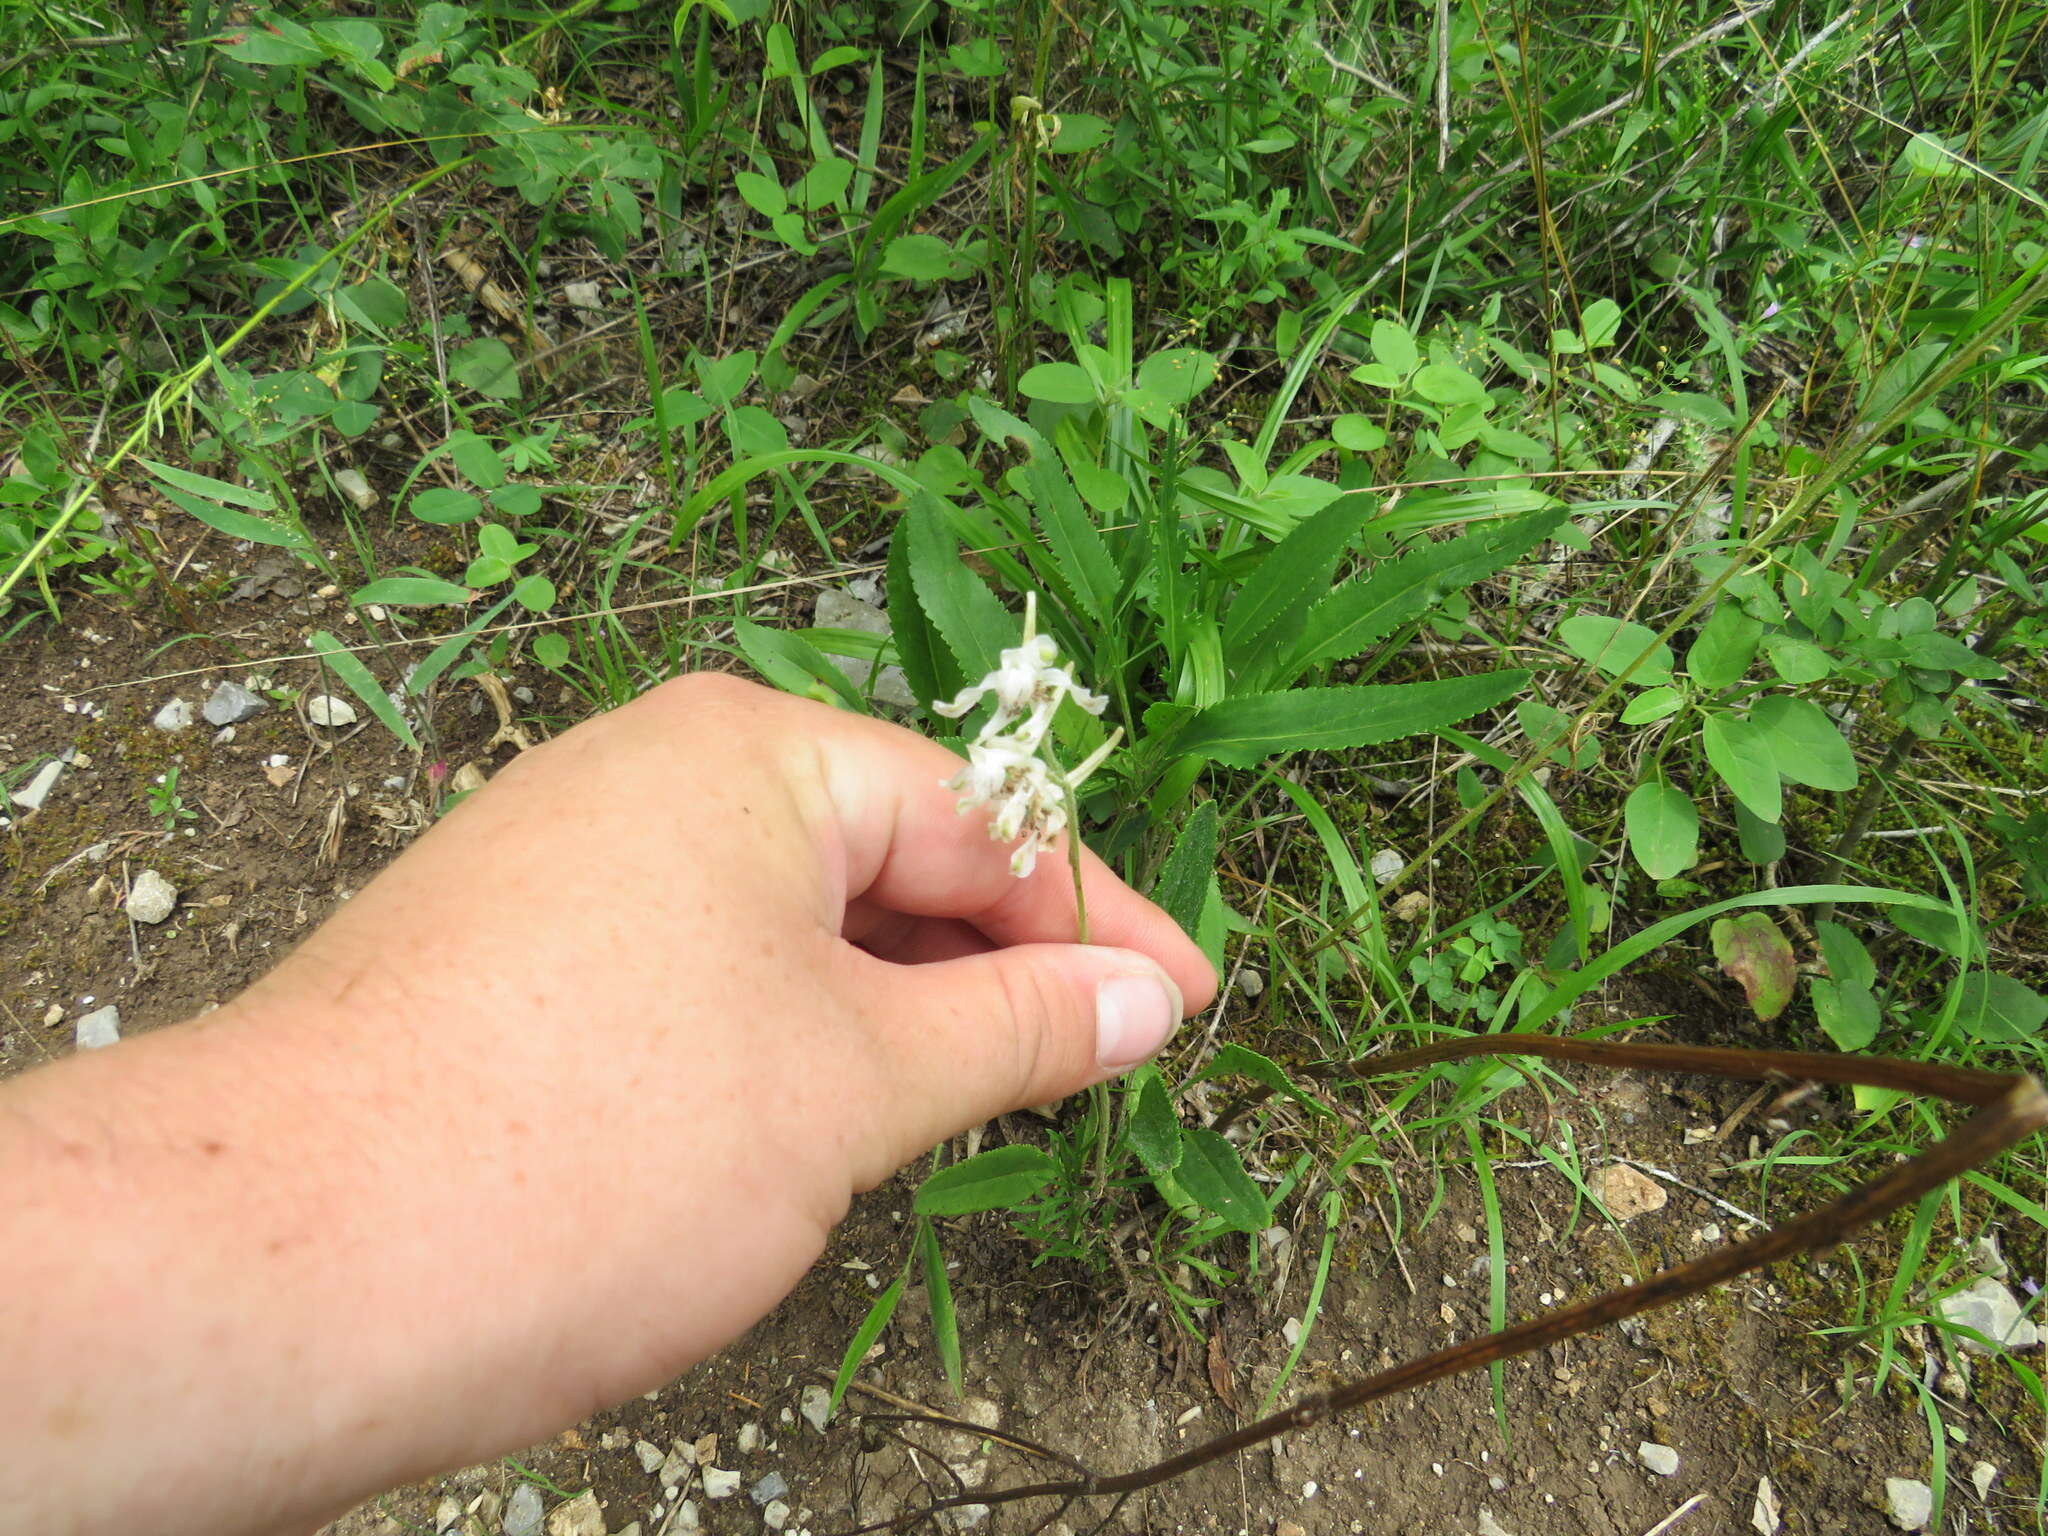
564, 1101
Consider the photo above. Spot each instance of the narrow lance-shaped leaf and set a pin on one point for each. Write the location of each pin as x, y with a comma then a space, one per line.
1189, 870
1244, 731
1268, 612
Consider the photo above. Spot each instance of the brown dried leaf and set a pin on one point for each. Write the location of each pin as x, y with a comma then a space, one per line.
1751, 950
1220, 1376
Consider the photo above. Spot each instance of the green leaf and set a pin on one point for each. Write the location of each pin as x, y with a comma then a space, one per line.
938, 1295
1652, 704
1998, 1009
1361, 613
1083, 560
1601, 322
1742, 755
241, 525
1806, 745
1358, 433
1663, 829
921, 258
1447, 384
863, 1340
1176, 376
1943, 930
1061, 383
477, 459
1190, 869
1725, 647
1798, 661
1762, 842
357, 679
412, 592
1751, 949
1394, 347
1848, 1014
1232, 1059
535, 593
516, 500
1616, 646
444, 504
975, 627
1244, 731
214, 490
1846, 958
796, 666
1078, 131
917, 645
375, 302
1266, 616
551, 650
1002, 1179
1210, 1172
486, 366
1152, 1125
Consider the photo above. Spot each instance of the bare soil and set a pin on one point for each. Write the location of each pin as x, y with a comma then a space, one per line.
1739, 1384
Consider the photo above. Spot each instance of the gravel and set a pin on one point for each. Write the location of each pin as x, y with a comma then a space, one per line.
1660, 1459
99, 1029
676, 1465
1909, 1502
174, 716
330, 711
769, 1488
231, 703
720, 1484
649, 1454
523, 1512
579, 1516
151, 898
776, 1515
30, 796
816, 1404
1993, 1310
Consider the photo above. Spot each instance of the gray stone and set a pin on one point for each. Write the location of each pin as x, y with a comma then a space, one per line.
1660, 1459
749, 1440
720, 1484
174, 716
1909, 1503
30, 796
769, 1488
99, 1029
649, 1454
1993, 1311
151, 898
839, 610
776, 1515
231, 703
1251, 984
816, 1405
447, 1512
523, 1515
579, 1516
1981, 1477
687, 1516
676, 1465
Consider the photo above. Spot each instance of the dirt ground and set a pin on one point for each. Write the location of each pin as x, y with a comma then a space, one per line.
1736, 1384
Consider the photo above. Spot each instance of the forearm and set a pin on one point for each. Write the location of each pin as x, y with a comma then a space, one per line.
287, 1256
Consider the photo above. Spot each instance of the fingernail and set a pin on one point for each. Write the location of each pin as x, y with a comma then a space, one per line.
1133, 1016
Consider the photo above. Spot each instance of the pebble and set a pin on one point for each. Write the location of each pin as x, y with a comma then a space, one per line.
582, 295
769, 1488
1660, 1459
649, 1454
816, 1404
1626, 1193
1251, 984
1981, 1476
1289, 1528
325, 709
352, 484
174, 716
523, 1512
1488, 1526
676, 1465
30, 796
749, 1440
1766, 1514
99, 1029
1909, 1502
720, 1484
687, 1516
1386, 865
776, 1515
151, 898
447, 1512
839, 610
1993, 1310
579, 1516
231, 703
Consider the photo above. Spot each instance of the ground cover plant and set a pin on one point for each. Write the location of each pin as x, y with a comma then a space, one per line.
1551, 505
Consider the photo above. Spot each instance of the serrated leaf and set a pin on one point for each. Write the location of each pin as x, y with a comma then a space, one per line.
1244, 731
1749, 948
1153, 1126
1084, 562
917, 648
1190, 869
1215, 1179
973, 625
1268, 613
1002, 1179
1806, 745
1741, 755
1663, 829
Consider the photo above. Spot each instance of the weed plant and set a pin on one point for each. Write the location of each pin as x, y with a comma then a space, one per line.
1640, 418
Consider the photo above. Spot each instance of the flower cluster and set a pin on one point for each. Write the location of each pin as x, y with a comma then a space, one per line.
1005, 766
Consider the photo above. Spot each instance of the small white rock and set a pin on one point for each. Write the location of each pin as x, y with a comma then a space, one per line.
816, 1404
688, 1518
1251, 984
676, 1465
231, 703
1766, 1514
1909, 1502
447, 1512
720, 1484
151, 898
1981, 1477
325, 709
1488, 1526
30, 796
776, 1515
523, 1512
1660, 1459
99, 1029
174, 716
1626, 1193
350, 483
650, 1456
749, 1439
1386, 865
1993, 1310
582, 295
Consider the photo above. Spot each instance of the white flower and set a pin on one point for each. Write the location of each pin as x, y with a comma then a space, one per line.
1027, 686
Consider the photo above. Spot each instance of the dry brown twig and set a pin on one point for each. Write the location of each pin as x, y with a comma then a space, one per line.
2008, 1108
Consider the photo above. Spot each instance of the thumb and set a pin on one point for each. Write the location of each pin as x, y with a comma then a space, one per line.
1027, 1024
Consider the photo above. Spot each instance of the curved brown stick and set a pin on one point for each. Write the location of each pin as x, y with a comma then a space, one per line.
2008, 1109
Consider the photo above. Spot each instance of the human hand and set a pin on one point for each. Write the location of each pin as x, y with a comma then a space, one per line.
591, 1071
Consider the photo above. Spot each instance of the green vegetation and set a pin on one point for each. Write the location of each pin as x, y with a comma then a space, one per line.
1640, 417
